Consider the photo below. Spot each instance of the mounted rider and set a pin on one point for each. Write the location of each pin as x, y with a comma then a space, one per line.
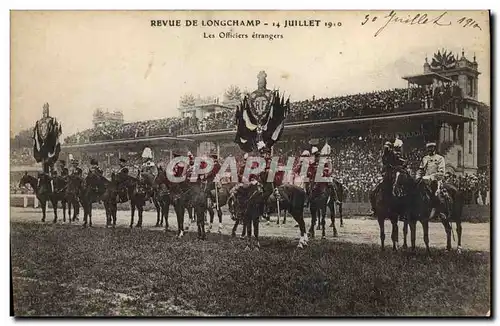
121, 177
210, 177
431, 172
148, 169
392, 160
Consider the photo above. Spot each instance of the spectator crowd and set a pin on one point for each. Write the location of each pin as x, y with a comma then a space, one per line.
357, 105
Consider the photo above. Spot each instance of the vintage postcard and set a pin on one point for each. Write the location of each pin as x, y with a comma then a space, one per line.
250, 163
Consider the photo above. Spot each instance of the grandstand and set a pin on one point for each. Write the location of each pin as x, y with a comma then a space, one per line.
438, 105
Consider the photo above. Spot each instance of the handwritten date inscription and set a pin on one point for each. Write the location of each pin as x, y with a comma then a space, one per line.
441, 19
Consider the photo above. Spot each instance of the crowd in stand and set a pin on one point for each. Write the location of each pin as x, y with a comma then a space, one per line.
373, 103
21, 156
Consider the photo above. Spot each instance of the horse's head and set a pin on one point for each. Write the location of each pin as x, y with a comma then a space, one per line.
403, 184
25, 179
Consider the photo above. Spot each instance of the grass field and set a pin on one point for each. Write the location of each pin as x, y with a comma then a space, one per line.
67, 270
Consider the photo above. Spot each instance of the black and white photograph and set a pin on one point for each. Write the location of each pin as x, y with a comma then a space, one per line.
224, 163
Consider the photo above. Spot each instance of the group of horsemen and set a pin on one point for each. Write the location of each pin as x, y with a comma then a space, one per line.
431, 172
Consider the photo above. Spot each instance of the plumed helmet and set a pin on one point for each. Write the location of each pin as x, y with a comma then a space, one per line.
314, 150
398, 143
430, 144
147, 153
326, 150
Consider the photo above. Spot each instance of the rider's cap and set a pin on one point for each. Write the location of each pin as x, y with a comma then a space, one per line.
75, 162
388, 144
214, 156
305, 153
430, 144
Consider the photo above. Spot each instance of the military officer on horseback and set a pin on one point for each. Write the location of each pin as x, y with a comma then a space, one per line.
432, 171
121, 177
392, 160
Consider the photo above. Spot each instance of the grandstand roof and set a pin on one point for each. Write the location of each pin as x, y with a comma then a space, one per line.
426, 79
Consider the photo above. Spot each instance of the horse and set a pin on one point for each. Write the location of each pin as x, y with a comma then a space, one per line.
180, 199
319, 196
291, 198
419, 203
42, 189
249, 203
109, 199
199, 196
387, 204
218, 201
162, 197
73, 188
337, 197
92, 190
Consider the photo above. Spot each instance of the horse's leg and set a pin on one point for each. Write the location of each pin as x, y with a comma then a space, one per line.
332, 217
413, 234
313, 219
212, 214
179, 210
54, 207
248, 224
405, 233
299, 218
331, 206
447, 228
256, 232
425, 227
70, 203
90, 214
43, 205
340, 215
284, 217
158, 210
395, 233
219, 214
108, 215
140, 209
323, 222
233, 232
381, 225
63, 204
132, 212
203, 213
459, 236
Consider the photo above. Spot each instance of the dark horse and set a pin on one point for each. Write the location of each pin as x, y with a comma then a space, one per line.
162, 197
42, 190
92, 191
386, 204
319, 198
419, 200
218, 200
248, 207
198, 200
337, 197
292, 199
74, 184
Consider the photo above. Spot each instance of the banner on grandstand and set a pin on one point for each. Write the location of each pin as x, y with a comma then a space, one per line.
260, 118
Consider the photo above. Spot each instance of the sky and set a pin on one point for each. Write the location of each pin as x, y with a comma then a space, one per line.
78, 61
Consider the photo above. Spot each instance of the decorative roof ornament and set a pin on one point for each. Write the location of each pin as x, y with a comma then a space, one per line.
443, 61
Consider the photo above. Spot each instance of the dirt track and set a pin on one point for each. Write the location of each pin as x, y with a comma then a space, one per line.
476, 236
